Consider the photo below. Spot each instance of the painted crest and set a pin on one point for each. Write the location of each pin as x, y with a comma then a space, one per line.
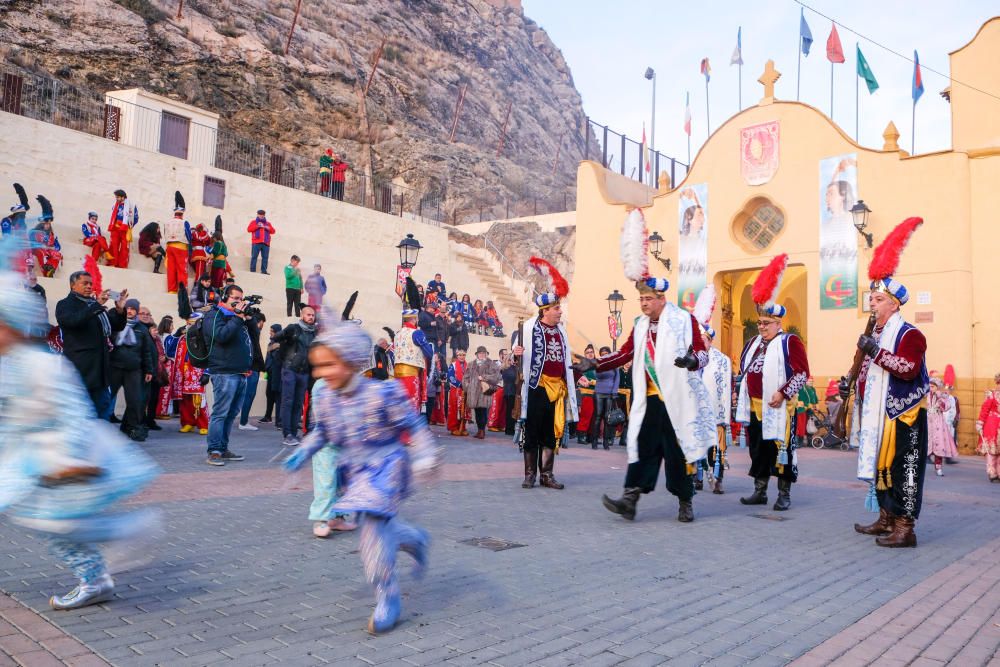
759, 146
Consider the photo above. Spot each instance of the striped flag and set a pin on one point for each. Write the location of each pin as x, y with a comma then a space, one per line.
737, 58
918, 79
687, 115
706, 69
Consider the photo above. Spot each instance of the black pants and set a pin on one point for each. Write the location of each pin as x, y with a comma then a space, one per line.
338, 190
481, 414
508, 406
764, 454
293, 395
906, 494
293, 298
431, 403
131, 382
603, 404
658, 442
539, 426
152, 401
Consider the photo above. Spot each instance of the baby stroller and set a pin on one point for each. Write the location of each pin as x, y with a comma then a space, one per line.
820, 429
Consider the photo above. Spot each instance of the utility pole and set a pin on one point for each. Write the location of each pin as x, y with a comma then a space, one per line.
291, 31
503, 132
458, 110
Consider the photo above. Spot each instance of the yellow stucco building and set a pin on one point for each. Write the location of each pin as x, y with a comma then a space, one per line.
782, 177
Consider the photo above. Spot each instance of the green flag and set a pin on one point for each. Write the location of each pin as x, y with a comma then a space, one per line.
865, 72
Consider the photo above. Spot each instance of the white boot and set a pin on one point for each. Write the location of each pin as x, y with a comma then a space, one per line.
100, 590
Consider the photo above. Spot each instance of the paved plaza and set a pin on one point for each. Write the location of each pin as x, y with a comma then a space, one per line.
237, 577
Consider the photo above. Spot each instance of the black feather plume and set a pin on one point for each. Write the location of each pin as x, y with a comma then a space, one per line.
22, 196
218, 223
178, 200
412, 294
46, 207
183, 302
346, 315
390, 332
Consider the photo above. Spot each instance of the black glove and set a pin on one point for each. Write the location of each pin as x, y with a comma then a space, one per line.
204, 379
868, 345
583, 365
688, 361
843, 389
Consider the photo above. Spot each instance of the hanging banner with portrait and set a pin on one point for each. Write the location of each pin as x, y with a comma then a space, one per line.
692, 248
838, 239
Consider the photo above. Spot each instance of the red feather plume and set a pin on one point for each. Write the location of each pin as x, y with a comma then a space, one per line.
90, 266
949, 375
765, 288
885, 259
559, 285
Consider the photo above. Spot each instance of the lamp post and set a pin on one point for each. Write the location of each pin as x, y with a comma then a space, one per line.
655, 243
615, 300
860, 213
409, 248
651, 76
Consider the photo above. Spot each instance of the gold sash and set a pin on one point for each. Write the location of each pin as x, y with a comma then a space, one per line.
555, 389
887, 451
407, 371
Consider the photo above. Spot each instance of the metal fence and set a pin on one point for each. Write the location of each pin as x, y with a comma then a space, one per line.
109, 116
626, 156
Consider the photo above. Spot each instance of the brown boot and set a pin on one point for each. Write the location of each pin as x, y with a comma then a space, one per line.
546, 478
530, 468
902, 535
882, 526
717, 489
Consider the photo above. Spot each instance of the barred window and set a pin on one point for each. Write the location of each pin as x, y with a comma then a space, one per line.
760, 223
214, 193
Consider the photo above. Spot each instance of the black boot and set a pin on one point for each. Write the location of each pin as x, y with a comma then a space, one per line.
784, 500
546, 478
685, 513
530, 468
625, 505
759, 495
157, 261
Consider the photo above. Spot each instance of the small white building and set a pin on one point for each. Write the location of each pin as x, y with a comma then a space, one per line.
145, 120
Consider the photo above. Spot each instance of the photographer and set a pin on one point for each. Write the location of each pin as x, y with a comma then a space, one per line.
295, 340
229, 361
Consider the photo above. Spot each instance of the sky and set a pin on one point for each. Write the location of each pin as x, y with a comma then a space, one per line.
608, 47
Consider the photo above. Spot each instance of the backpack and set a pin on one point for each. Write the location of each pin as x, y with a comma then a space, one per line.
198, 346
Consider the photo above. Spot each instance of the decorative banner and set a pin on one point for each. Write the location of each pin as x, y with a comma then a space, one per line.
838, 239
692, 250
759, 146
614, 327
401, 274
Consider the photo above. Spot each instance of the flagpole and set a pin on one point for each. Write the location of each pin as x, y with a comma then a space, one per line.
739, 93
913, 130
831, 90
857, 84
798, 75
708, 120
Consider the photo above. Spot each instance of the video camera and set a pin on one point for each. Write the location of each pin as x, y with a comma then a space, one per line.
250, 303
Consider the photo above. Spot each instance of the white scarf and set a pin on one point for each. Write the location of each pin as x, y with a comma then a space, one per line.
774, 421
718, 378
866, 431
684, 394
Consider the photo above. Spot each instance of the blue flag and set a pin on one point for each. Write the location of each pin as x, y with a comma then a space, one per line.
805, 34
918, 80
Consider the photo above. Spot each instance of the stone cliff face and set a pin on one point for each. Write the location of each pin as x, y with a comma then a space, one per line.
227, 56
519, 241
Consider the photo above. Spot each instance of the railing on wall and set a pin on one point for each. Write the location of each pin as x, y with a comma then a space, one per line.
626, 156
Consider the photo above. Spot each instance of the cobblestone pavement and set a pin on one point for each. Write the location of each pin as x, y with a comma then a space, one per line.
237, 578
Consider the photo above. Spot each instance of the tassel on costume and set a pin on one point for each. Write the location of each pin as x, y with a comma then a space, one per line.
783, 456
871, 501
743, 439
717, 468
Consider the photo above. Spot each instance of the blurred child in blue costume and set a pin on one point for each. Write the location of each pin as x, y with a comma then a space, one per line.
382, 446
62, 470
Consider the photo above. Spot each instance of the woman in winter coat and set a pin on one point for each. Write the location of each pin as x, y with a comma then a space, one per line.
481, 375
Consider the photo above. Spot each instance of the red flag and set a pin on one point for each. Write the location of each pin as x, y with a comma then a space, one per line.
834, 51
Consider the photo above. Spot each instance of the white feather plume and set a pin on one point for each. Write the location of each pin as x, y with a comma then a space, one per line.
634, 247
705, 305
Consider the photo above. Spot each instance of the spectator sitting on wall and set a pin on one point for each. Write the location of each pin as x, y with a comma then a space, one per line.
94, 239
458, 334
45, 247
315, 287
150, 246
203, 296
464, 308
261, 231
339, 175
438, 285
427, 323
479, 314
423, 297
493, 320
293, 286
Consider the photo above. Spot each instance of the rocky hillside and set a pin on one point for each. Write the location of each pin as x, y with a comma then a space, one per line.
228, 56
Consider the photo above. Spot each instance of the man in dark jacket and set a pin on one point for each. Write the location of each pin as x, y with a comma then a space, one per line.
133, 361
87, 327
295, 340
229, 360
443, 325
272, 367
254, 326
427, 322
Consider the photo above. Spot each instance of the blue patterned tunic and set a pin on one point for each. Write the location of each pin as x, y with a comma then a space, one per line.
380, 441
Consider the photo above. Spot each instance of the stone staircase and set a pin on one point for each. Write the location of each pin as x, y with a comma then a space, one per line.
511, 296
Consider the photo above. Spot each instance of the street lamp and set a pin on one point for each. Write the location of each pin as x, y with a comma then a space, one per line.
860, 213
655, 242
651, 76
615, 300
409, 248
